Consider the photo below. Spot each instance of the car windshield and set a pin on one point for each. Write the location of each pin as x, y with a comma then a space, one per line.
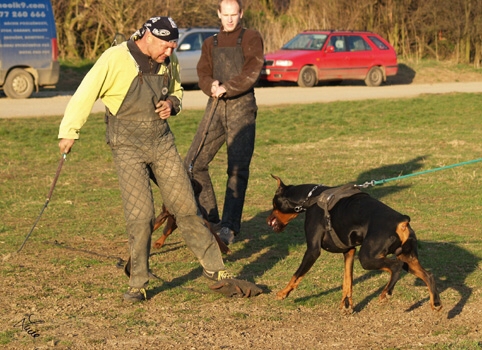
306, 42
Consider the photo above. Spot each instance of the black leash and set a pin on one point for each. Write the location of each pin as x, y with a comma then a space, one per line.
57, 174
206, 129
119, 261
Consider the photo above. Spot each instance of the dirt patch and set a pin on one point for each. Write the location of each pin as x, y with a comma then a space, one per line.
86, 311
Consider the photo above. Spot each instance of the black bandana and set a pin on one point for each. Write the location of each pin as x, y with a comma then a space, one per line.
163, 28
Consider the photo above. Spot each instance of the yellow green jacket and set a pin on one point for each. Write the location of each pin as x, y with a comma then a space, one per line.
109, 79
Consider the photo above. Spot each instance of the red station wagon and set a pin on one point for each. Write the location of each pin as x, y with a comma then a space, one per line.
318, 55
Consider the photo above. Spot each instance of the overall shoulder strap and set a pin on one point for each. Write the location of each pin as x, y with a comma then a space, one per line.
240, 37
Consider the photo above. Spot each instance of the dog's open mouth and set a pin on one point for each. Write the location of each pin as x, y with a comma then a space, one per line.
275, 224
279, 220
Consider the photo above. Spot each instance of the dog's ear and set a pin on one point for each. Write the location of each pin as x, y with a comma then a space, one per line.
280, 183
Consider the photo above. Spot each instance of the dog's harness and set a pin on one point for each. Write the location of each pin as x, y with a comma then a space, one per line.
302, 207
326, 201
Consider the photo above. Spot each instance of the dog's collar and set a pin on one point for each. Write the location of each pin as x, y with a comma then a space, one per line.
300, 208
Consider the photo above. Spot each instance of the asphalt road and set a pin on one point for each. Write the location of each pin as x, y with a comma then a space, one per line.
48, 103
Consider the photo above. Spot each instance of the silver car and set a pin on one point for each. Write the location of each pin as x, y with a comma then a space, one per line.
188, 51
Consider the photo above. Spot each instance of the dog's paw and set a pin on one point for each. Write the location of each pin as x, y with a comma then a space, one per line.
281, 295
346, 310
346, 306
159, 243
384, 298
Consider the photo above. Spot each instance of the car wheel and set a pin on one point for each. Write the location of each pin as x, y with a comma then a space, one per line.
374, 77
307, 77
19, 84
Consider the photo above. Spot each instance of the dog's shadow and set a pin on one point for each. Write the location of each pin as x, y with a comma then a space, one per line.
432, 255
269, 248
389, 173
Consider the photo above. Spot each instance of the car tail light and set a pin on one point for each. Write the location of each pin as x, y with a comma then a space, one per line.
55, 50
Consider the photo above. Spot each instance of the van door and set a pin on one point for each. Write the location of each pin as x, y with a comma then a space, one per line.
28, 47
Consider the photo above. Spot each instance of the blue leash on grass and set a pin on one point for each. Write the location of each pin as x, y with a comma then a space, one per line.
380, 182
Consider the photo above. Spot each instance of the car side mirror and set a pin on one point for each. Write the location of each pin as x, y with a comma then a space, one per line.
330, 49
185, 47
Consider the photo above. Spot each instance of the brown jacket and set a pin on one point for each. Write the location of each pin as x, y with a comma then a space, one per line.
252, 45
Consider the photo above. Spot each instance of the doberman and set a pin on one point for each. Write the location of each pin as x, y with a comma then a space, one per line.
353, 220
171, 225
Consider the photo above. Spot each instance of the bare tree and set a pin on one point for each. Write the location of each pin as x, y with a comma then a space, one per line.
439, 29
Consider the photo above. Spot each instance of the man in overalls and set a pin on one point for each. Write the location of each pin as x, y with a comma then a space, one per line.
139, 83
228, 69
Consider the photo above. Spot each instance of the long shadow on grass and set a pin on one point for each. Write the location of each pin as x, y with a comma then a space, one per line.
276, 247
273, 248
449, 275
269, 248
433, 257
390, 171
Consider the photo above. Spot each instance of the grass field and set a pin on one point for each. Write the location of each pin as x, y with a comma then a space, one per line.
67, 274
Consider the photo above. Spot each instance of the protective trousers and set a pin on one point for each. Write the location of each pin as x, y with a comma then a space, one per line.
140, 139
233, 123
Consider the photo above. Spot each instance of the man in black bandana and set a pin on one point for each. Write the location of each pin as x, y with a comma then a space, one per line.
138, 81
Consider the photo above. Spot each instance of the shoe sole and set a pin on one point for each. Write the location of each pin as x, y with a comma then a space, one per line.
133, 300
226, 240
